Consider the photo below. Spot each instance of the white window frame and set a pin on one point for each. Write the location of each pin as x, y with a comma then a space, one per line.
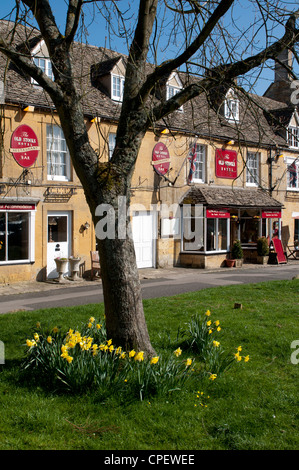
172, 91
295, 162
61, 150
253, 169
293, 137
200, 160
231, 107
216, 240
111, 144
47, 69
117, 83
31, 237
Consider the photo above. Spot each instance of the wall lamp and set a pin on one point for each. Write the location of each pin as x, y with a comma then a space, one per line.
96, 120
84, 227
28, 108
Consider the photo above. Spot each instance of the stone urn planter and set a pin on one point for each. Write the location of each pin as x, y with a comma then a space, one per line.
61, 268
74, 267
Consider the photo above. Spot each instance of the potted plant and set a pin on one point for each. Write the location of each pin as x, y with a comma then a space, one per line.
61, 267
262, 250
237, 253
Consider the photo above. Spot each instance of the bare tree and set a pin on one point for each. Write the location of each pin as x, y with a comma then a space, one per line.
207, 43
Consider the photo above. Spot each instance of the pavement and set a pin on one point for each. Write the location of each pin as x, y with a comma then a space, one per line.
145, 274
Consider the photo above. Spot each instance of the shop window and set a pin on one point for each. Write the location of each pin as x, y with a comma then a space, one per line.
292, 175
58, 157
192, 228
253, 169
249, 226
231, 106
117, 88
296, 231
197, 164
217, 234
15, 230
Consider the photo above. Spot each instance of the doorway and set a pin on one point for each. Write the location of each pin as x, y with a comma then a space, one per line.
59, 239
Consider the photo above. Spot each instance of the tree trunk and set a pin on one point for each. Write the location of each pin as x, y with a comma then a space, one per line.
125, 321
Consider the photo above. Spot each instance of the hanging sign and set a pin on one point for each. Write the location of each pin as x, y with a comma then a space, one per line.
24, 146
226, 164
218, 214
161, 159
271, 214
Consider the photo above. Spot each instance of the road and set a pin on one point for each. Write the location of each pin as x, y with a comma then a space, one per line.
170, 283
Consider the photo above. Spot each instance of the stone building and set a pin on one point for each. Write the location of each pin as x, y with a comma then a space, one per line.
221, 168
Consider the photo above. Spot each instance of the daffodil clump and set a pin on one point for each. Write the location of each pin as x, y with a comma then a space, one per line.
86, 359
202, 336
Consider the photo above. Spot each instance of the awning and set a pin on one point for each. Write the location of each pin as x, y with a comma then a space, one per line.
229, 197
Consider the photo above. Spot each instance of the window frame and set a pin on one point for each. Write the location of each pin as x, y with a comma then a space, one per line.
31, 237
111, 144
229, 113
203, 163
48, 70
121, 78
290, 162
66, 153
253, 172
293, 137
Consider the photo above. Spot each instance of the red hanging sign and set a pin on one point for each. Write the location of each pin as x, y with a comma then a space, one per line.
218, 214
226, 163
161, 159
17, 207
271, 215
24, 146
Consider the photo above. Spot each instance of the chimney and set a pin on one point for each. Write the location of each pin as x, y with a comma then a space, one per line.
280, 89
281, 73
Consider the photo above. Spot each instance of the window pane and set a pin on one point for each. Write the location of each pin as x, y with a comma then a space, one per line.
18, 236
2, 236
222, 234
57, 229
211, 234
57, 152
292, 176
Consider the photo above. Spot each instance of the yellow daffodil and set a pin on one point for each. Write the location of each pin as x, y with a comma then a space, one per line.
89, 325
210, 332
178, 352
209, 323
92, 319
55, 329
98, 326
38, 324
188, 362
49, 339
139, 356
154, 360
217, 322
216, 344
132, 353
69, 359
239, 348
246, 358
208, 313
218, 328
213, 376
36, 336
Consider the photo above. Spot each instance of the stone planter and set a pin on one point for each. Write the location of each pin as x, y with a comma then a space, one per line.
61, 268
75, 267
262, 259
238, 263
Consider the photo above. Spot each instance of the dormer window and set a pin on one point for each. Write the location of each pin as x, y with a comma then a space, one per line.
41, 59
293, 137
117, 87
231, 106
45, 65
173, 86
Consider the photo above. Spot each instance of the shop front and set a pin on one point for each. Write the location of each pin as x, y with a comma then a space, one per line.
213, 218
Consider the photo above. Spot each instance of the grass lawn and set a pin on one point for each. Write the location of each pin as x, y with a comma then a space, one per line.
252, 406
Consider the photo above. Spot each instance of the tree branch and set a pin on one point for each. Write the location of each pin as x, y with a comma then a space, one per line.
72, 19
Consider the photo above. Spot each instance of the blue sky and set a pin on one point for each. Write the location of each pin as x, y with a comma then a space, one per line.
98, 34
